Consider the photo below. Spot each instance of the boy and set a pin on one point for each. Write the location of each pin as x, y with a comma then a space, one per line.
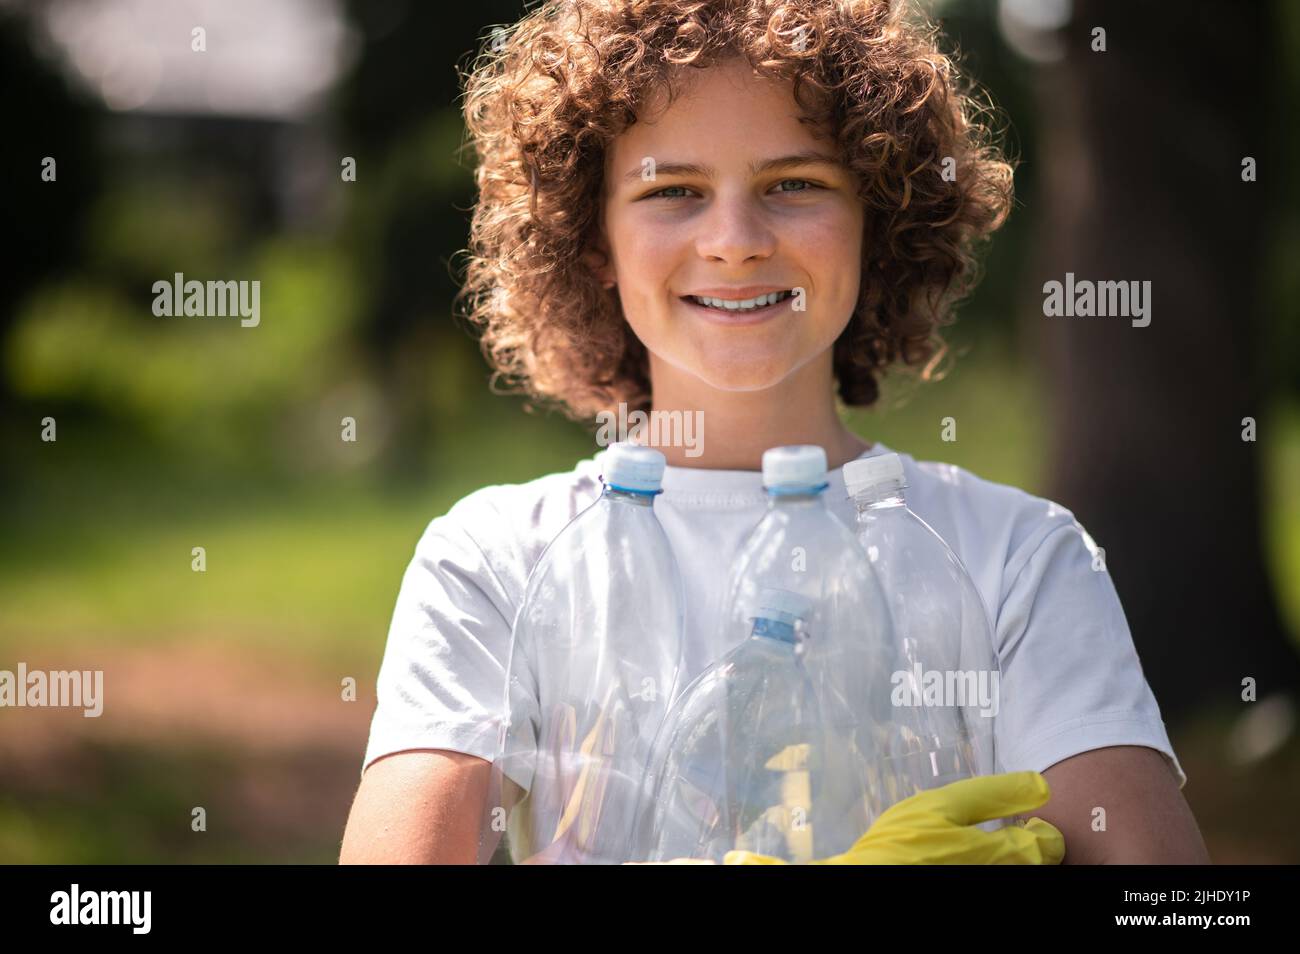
635, 243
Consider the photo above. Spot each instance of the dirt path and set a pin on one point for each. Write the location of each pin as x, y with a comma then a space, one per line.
270, 749
178, 693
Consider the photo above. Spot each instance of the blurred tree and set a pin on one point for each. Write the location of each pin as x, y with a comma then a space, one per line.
43, 116
1142, 180
398, 114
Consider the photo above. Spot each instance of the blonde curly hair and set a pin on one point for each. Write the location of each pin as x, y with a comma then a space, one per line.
545, 98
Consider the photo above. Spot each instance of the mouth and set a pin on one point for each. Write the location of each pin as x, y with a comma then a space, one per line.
745, 312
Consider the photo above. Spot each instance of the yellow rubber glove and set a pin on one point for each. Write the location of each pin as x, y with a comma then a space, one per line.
937, 826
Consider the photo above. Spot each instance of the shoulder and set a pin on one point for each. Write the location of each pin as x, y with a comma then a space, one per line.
991, 525
505, 527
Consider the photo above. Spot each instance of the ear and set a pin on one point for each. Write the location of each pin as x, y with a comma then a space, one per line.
601, 263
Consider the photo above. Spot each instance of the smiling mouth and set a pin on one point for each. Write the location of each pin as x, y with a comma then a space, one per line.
751, 306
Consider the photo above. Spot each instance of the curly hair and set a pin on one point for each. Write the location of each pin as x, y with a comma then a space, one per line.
545, 98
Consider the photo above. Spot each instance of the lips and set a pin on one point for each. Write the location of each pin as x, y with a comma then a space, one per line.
742, 304
739, 293
737, 317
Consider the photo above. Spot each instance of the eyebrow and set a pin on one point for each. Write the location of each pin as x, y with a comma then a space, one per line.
777, 164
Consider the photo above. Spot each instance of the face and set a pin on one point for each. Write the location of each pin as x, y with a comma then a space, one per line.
731, 226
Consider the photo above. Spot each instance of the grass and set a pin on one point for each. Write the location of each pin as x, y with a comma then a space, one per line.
310, 568
996, 407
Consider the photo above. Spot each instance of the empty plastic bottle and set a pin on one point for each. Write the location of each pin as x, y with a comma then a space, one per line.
947, 694
595, 653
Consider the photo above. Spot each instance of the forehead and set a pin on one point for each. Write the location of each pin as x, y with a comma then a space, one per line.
727, 108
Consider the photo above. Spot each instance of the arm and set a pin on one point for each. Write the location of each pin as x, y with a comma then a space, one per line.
417, 807
1147, 819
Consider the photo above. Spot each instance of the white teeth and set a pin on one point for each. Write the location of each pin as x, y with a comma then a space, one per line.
746, 304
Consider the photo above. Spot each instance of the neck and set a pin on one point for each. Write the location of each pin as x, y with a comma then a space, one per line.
739, 425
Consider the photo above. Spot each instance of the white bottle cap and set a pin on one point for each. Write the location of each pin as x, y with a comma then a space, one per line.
782, 605
628, 466
796, 466
869, 472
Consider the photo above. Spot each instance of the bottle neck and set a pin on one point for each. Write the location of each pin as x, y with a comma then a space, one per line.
637, 498
774, 629
785, 497
878, 497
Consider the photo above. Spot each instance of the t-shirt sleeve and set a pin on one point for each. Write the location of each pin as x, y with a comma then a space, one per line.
441, 683
1071, 677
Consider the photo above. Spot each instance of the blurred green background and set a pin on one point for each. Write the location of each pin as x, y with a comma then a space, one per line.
224, 686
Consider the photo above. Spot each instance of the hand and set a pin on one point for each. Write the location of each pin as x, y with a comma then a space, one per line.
937, 826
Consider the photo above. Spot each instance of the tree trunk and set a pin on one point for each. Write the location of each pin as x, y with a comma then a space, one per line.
1141, 179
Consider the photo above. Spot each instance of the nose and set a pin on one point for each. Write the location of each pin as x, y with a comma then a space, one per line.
735, 230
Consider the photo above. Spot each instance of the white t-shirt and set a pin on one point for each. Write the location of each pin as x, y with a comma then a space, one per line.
1071, 678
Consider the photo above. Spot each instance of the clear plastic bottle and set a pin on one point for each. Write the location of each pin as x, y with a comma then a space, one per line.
774, 748
947, 695
595, 654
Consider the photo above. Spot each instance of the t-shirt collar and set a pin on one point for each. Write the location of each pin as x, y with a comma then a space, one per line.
688, 481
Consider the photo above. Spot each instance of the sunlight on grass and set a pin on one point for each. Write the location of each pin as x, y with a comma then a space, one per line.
314, 571
996, 406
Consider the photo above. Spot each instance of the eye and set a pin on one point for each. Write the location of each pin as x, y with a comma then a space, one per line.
810, 185
660, 193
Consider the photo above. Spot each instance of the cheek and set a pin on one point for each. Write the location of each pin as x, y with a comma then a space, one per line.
646, 249
647, 255
832, 250
830, 244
